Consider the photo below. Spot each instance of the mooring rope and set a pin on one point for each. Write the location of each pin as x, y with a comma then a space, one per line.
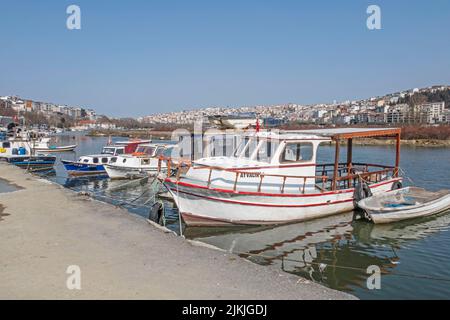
404, 174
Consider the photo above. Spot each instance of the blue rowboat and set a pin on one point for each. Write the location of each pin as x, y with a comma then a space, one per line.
75, 168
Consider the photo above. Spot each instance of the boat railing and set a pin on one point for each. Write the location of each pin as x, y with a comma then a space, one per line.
182, 163
348, 174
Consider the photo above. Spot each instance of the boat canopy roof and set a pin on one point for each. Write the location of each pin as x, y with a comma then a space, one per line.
330, 134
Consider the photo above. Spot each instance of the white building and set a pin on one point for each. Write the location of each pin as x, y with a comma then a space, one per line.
431, 113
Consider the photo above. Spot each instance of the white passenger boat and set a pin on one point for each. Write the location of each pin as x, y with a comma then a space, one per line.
274, 178
144, 161
405, 203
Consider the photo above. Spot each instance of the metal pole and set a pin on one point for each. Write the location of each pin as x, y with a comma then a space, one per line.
349, 158
336, 165
397, 156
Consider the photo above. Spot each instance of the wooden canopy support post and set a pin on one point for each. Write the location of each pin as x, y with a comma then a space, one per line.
336, 166
397, 156
349, 160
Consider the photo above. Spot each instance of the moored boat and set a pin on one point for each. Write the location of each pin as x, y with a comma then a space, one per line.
94, 164
274, 178
33, 162
405, 203
43, 145
144, 161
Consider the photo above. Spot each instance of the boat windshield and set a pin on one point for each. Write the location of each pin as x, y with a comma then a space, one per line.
148, 150
241, 146
256, 148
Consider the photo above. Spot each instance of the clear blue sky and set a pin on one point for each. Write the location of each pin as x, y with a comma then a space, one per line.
135, 58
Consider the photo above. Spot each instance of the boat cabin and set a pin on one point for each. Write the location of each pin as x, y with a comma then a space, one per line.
114, 150
286, 162
14, 147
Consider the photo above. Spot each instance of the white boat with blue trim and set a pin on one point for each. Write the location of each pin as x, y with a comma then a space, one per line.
44, 145
405, 203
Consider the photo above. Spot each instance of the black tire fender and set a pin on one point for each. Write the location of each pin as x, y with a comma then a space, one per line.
397, 185
362, 191
156, 212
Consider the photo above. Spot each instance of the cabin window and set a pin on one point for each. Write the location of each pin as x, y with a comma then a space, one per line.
159, 152
86, 160
104, 160
108, 151
145, 161
297, 152
119, 151
6, 144
113, 159
242, 145
149, 150
124, 160
266, 150
95, 160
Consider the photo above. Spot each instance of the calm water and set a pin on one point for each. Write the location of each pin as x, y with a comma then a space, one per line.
336, 251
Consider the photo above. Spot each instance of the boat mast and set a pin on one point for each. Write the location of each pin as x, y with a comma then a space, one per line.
397, 156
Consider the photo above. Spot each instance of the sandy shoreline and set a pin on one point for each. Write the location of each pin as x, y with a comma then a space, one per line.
45, 228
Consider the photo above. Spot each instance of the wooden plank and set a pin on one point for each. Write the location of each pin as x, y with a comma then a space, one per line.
368, 134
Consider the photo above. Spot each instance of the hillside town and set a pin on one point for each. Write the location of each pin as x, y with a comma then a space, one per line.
425, 106
26, 111
20, 106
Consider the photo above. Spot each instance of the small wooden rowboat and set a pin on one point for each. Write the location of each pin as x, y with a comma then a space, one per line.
405, 203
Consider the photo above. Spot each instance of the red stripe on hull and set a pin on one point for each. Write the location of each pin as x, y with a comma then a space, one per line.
264, 204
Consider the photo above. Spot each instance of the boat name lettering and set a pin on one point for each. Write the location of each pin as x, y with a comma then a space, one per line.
250, 174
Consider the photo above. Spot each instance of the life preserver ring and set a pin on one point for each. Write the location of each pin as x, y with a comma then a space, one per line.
397, 185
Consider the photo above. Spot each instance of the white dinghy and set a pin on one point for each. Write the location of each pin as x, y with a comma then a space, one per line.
405, 203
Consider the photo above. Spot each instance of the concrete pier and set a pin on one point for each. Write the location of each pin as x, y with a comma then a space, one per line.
45, 228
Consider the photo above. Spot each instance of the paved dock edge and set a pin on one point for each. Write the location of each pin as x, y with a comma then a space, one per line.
45, 228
